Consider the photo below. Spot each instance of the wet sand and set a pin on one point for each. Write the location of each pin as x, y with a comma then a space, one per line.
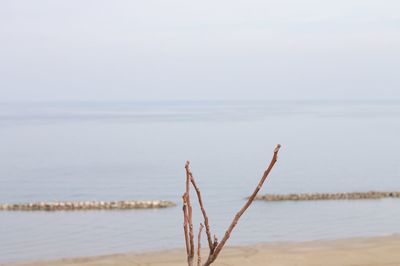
356, 251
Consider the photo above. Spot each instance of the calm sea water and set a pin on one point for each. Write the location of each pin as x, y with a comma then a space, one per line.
116, 151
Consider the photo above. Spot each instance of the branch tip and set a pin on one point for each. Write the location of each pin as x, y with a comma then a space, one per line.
278, 146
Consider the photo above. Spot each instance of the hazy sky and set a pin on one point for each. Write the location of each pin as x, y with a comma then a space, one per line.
199, 50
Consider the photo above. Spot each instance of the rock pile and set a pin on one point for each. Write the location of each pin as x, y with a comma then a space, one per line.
330, 196
86, 205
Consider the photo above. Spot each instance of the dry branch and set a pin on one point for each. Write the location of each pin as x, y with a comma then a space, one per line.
214, 246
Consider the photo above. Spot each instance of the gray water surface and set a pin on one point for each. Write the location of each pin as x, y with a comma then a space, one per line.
137, 150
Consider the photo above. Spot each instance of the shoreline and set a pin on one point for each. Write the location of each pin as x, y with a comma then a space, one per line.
377, 250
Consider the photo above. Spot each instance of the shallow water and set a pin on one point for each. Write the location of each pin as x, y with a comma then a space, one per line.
113, 151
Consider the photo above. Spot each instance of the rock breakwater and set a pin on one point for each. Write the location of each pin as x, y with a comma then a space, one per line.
87, 205
329, 196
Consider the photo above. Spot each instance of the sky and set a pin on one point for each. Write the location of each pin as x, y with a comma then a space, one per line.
129, 50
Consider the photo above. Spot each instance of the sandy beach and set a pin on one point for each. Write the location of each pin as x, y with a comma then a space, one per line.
356, 251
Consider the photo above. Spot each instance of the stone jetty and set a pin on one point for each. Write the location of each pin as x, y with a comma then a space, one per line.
329, 196
87, 205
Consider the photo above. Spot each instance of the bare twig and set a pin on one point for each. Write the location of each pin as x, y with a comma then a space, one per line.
208, 233
189, 216
228, 232
199, 246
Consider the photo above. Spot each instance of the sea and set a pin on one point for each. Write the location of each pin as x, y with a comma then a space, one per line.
81, 151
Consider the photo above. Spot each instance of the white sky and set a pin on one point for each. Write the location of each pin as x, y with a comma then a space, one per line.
199, 50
